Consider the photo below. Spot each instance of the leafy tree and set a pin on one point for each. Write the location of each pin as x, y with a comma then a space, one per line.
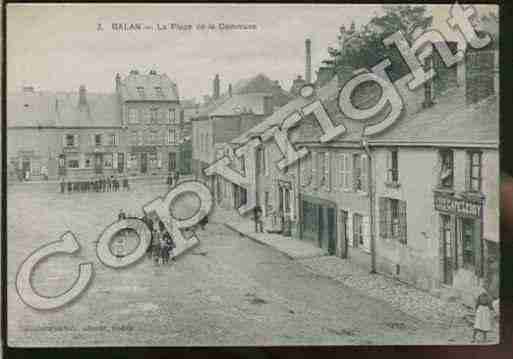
364, 47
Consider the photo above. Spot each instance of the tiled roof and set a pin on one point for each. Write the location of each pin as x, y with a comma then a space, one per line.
449, 121
149, 83
258, 84
48, 109
238, 104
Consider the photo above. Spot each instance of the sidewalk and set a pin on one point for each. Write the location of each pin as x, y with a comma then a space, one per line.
292, 248
412, 301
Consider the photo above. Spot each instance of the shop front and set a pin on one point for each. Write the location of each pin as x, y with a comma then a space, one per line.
319, 222
144, 160
461, 240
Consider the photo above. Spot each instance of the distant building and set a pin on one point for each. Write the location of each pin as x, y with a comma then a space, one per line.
152, 118
247, 104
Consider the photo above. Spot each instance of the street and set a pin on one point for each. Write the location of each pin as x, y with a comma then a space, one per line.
228, 290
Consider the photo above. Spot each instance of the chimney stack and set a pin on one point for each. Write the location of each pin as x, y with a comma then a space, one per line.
118, 82
82, 99
308, 64
216, 87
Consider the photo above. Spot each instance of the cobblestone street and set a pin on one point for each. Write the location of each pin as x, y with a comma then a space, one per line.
229, 290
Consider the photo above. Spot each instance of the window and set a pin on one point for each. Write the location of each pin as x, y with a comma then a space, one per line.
344, 172
171, 136
154, 115
394, 211
131, 161
87, 161
392, 219
107, 160
325, 170
357, 230
447, 168
112, 139
73, 162
133, 116
158, 92
139, 138
153, 160
172, 115
70, 141
146, 115
152, 137
98, 140
360, 178
474, 175
140, 92
306, 166
134, 138
393, 167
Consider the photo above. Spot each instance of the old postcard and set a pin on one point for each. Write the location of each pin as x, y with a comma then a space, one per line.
252, 175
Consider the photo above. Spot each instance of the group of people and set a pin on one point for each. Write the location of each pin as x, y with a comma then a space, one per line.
100, 184
162, 245
172, 178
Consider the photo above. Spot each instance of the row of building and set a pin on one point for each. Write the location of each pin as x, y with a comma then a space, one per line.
142, 129
418, 201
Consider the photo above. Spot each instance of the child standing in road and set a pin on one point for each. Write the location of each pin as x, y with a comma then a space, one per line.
483, 318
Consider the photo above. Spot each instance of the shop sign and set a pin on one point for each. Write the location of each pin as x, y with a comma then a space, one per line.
457, 206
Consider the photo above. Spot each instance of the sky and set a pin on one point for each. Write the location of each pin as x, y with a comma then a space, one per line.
57, 47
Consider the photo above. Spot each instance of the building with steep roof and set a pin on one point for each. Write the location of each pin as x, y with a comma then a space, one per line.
244, 105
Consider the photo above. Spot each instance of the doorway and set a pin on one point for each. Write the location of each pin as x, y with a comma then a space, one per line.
343, 233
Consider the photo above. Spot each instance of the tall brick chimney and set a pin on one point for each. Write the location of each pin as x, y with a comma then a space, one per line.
308, 61
216, 87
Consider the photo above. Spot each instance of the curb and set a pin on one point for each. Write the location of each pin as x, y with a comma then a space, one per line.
255, 239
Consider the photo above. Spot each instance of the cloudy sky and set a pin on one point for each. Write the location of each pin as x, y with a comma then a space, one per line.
58, 47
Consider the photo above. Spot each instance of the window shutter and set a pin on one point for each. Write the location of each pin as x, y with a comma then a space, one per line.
355, 172
355, 231
364, 170
468, 171
366, 233
389, 165
314, 169
328, 171
114, 160
92, 139
402, 222
75, 140
159, 159
383, 217
82, 160
63, 140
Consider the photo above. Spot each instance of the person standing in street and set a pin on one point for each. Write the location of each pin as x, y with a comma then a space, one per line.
63, 185
258, 220
483, 317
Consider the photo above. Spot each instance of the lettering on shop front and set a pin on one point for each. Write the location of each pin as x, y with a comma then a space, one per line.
457, 206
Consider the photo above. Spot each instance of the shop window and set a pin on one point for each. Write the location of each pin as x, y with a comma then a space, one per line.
447, 168
393, 166
357, 230
392, 217
474, 173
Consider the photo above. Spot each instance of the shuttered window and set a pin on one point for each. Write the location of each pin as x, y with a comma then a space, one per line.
473, 171
344, 172
357, 172
392, 166
364, 173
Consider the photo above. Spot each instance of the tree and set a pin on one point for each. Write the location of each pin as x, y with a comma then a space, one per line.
364, 47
